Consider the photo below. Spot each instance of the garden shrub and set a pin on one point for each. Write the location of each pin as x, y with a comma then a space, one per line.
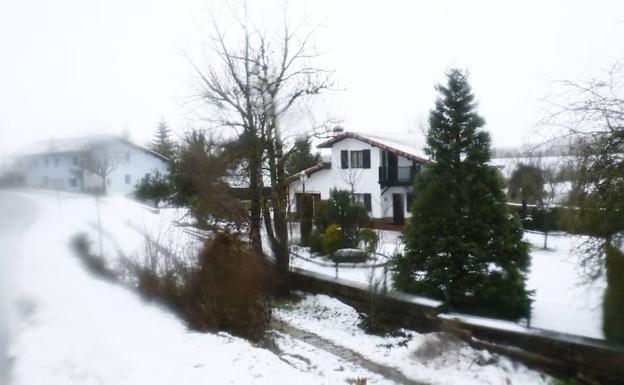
349, 216
349, 256
369, 239
315, 241
216, 298
333, 239
321, 216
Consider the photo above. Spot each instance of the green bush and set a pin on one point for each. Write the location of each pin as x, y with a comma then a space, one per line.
349, 256
348, 216
154, 187
315, 241
613, 303
369, 239
321, 216
333, 239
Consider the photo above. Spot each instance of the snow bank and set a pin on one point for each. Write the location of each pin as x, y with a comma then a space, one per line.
430, 358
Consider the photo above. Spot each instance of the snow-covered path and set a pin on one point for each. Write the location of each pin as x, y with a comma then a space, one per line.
67, 327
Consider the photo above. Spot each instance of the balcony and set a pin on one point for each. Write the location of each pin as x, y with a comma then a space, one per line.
397, 176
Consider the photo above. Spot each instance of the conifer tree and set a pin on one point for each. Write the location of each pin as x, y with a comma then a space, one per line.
162, 142
463, 246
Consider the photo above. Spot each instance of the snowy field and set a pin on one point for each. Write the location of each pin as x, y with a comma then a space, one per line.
564, 301
67, 327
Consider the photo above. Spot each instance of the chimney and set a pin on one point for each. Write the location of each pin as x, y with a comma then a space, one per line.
337, 130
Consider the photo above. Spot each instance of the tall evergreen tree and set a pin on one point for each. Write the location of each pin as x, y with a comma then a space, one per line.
462, 244
301, 157
162, 142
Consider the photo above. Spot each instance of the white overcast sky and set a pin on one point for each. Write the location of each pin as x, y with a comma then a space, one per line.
71, 67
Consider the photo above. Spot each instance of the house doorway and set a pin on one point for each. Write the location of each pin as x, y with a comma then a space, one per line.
398, 210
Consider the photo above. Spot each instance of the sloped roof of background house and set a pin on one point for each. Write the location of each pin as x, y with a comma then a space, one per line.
56, 146
408, 145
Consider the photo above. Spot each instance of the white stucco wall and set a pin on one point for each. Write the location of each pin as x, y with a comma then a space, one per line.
134, 163
53, 171
366, 180
61, 168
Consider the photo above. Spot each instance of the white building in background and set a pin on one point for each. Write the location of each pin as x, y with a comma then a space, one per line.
378, 167
60, 164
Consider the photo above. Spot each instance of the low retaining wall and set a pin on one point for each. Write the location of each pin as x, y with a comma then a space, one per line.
557, 353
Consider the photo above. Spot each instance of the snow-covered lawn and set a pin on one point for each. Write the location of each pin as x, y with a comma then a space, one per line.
564, 300
430, 358
67, 327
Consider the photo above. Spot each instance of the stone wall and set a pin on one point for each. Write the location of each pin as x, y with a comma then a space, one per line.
559, 354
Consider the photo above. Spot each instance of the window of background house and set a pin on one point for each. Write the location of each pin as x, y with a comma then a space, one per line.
47, 161
127, 178
360, 159
73, 182
364, 200
75, 160
357, 159
56, 161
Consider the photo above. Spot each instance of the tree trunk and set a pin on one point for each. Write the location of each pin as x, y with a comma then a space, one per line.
255, 195
279, 231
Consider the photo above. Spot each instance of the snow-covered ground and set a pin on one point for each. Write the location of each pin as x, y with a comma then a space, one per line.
432, 358
68, 327
564, 300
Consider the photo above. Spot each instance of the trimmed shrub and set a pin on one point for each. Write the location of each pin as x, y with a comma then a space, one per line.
349, 256
216, 298
306, 205
333, 239
369, 239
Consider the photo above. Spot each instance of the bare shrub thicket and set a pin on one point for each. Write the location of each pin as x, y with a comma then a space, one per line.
226, 287
230, 289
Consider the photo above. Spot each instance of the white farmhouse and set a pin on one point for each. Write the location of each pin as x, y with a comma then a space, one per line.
62, 164
378, 168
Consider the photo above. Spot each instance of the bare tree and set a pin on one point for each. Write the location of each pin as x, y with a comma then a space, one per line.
255, 81
591, 113
98, 159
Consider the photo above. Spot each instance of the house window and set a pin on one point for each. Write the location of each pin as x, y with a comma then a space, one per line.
56, 161
364, 200
360, 159
357, 159
73, 182
127, 178
35, 162
75, 160
46, 161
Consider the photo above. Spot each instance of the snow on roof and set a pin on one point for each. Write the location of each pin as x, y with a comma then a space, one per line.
405, 144
52, 146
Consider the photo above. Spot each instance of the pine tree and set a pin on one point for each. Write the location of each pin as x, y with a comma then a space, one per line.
162, 142
301, 157
462, 244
